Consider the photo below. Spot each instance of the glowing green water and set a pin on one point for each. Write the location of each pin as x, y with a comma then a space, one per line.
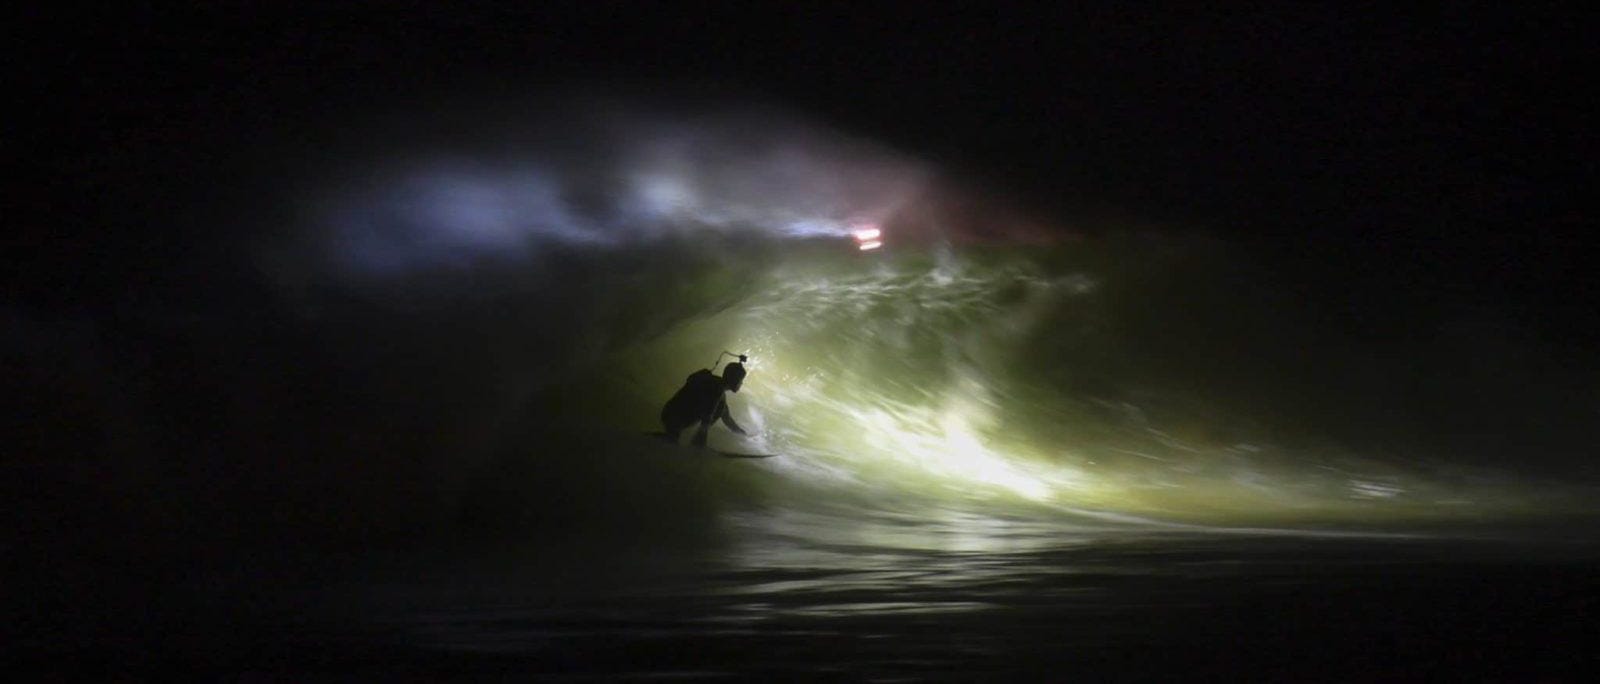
989, 381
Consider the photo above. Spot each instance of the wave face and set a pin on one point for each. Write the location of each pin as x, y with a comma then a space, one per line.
1123, 380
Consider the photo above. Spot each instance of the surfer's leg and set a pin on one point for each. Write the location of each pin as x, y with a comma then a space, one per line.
700, 434
674, 420
673, 426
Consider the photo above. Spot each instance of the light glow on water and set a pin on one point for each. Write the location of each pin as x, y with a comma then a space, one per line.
895, 387
946, 444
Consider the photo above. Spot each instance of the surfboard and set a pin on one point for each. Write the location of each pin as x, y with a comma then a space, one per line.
734, 454
713, 451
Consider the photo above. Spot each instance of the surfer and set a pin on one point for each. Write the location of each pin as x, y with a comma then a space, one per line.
701, 400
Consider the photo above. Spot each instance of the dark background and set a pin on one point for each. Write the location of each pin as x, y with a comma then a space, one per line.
1447, 147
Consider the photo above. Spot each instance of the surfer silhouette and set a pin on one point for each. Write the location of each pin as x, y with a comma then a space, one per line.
701, 400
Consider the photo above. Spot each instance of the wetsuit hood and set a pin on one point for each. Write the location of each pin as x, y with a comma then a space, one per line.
733, 376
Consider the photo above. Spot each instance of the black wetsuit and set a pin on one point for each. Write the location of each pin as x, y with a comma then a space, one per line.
700, 400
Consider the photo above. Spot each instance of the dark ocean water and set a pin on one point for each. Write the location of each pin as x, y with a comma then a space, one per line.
1021, 601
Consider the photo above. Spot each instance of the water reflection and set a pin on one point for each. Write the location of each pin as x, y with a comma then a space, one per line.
793, 563
911, 594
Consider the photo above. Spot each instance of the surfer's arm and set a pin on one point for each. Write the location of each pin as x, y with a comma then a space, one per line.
727, 418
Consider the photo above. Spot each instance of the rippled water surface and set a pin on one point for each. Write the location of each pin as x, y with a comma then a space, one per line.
812, 595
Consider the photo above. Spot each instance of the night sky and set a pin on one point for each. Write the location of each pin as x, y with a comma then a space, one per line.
1446, 147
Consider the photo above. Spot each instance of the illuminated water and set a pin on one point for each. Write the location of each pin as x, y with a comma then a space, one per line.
992, 461
1014, 382
975, 478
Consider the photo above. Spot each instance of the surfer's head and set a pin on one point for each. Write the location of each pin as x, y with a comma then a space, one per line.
733, 376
